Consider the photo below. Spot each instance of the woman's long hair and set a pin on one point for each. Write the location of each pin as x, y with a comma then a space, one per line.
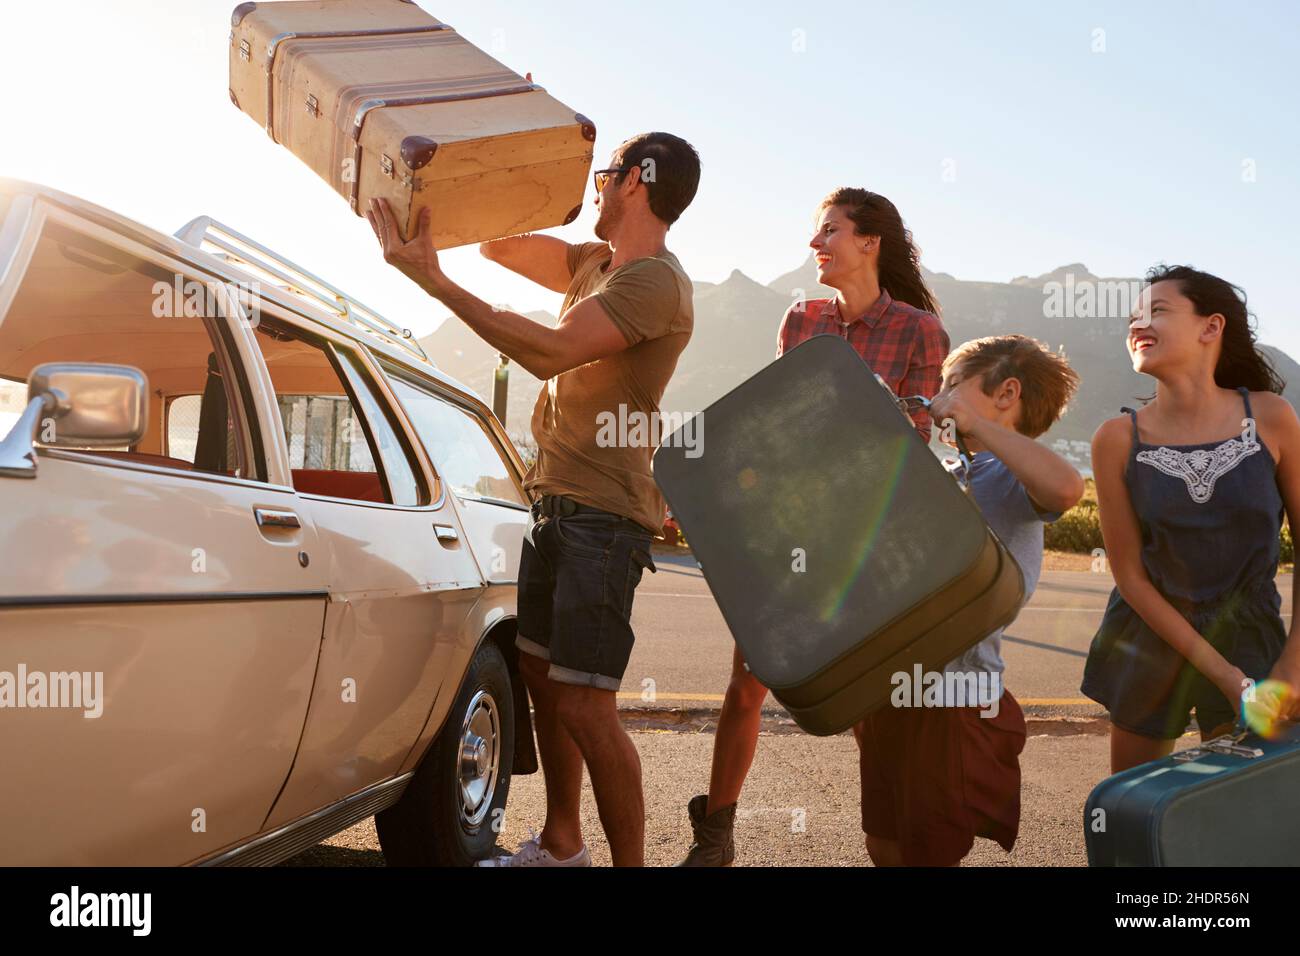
900, 262
1240, 361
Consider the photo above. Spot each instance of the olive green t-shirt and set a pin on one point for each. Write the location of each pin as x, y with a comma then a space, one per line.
597, 425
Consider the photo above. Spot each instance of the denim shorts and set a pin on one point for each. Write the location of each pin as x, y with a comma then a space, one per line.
577, 577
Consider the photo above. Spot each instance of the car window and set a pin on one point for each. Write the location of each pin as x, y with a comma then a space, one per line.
13, 399
183, 414
335, 449
324, 434
465, 454
397, 460
81, 300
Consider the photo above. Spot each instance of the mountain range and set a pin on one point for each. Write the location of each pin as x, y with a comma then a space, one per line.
736, 324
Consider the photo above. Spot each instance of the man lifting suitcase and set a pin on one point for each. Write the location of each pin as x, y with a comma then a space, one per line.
627, 316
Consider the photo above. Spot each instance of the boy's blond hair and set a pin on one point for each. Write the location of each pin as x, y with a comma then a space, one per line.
1047, 383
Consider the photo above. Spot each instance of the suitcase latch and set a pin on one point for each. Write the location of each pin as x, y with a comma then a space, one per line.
313, 105
245, 50
1229, 745
386, 165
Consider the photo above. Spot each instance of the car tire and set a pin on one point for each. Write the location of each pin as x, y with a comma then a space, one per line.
451, 812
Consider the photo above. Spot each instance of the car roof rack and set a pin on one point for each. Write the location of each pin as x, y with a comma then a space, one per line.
227, 244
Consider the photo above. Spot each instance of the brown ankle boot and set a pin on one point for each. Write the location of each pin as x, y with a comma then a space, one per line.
713, 844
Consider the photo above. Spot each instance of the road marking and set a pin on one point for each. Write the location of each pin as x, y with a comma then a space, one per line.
718, 698
1089, 610
1056, 701
671, 594
1027, 607
1030, 607
1041, 607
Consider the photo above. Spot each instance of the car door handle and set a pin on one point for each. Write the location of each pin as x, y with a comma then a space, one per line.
268, 518
445, 532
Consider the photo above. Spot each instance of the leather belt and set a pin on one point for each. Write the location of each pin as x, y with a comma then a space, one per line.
561, 506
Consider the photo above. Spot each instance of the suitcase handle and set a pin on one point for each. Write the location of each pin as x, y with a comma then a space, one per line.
273, 47
379, 102
1229, 745
279, 38
963, 453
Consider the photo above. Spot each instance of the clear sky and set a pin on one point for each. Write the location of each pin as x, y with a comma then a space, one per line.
1014, 136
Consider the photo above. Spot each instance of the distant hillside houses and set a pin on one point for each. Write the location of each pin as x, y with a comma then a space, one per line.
1077, 453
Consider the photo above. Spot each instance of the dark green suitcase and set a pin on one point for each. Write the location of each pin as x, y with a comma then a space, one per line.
1229, 802
810, 464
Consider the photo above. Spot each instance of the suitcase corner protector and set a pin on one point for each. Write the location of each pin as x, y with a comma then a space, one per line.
417, 151
237, 15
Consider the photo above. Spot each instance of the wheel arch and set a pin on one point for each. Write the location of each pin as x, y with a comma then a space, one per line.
499, 629
502, 634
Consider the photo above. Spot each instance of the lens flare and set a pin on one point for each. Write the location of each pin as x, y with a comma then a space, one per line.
1265, 706
898, 450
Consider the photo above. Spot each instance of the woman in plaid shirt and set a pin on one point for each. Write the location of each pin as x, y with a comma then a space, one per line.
883, 308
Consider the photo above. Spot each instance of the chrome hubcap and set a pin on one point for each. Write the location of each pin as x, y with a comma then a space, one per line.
480, 758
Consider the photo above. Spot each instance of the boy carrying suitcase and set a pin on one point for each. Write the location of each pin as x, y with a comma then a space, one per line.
936, 777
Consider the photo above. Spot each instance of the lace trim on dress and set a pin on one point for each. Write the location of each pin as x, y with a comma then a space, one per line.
1201, 468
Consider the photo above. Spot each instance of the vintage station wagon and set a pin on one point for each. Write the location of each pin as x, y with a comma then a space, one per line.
259, 555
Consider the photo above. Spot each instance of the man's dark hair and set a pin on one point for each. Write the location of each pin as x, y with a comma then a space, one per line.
670, 169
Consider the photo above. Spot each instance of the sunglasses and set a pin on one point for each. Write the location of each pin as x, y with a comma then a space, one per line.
603, 176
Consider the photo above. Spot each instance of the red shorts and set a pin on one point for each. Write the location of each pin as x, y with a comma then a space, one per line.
935, 778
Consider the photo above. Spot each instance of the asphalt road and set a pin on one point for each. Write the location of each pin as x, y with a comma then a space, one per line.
801, 802
683, 650
800, 806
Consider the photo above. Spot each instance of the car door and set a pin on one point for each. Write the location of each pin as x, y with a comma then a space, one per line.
471, 461
180, 587
401, 579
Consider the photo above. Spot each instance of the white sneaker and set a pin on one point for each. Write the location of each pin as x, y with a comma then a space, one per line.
530, 853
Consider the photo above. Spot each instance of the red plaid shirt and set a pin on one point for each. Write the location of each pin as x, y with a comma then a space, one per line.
904, 346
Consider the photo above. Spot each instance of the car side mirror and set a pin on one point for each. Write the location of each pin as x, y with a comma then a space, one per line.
76, 405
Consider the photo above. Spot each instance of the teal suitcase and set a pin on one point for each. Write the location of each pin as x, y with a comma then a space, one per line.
1229, 802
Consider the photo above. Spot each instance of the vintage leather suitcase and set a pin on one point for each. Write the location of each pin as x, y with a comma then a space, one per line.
383, 100
839, 549
1228, 802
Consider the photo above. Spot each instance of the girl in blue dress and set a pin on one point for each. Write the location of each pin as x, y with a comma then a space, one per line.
1191, 490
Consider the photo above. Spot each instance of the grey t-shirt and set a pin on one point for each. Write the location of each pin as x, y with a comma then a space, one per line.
1006, 507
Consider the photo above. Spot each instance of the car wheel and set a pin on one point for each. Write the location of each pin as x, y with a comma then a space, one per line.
452, 809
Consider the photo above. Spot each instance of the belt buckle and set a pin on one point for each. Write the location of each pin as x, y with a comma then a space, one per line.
538, 518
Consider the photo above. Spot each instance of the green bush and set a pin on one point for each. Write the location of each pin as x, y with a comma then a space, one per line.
1078, 530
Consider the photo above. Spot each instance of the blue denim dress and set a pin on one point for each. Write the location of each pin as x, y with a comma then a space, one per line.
1210, 516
